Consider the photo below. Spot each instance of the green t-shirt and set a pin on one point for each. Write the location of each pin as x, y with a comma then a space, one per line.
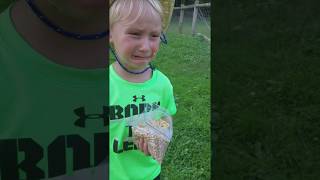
128, 99
53, 119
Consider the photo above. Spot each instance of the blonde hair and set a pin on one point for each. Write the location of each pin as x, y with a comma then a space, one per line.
121, 10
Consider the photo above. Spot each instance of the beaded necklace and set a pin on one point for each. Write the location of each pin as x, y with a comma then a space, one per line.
127, 70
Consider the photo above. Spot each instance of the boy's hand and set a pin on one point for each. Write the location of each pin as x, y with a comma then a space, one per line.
143, 146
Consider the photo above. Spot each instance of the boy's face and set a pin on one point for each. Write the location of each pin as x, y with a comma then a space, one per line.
136, 43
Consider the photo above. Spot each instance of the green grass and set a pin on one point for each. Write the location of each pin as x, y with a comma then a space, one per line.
266, 90
186, 61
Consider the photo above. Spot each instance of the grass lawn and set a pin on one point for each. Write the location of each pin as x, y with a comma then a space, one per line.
186, 61
266, 90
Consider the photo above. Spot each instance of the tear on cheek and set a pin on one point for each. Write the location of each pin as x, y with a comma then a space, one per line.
154, 53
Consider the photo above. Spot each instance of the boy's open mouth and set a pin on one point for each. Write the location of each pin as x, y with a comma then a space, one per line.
141, 57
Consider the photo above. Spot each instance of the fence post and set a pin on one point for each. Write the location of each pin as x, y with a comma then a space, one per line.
194, 19
181, 18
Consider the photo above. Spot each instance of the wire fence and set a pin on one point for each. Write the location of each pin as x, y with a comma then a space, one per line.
192, 19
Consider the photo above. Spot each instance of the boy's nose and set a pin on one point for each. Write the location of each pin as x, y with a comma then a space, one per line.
145, 44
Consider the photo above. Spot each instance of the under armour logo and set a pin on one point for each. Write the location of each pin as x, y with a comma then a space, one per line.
81, 122
135, 98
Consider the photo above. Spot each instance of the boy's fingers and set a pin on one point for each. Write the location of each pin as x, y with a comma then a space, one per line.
145, 148
141, 143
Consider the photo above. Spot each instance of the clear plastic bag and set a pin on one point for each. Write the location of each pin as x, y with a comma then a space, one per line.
156, 128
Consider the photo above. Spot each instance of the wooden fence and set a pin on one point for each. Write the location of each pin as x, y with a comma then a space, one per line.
195, 7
